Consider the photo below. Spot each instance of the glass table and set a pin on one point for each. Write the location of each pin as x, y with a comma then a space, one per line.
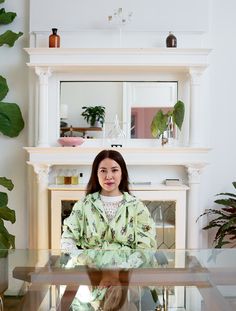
139, 280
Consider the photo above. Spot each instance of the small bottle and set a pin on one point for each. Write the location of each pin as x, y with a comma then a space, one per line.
171, 41
60, 178
54, 39
67, 178
81, 178
74, 178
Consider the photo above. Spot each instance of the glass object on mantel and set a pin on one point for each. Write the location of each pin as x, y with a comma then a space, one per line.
54, 39
115, 134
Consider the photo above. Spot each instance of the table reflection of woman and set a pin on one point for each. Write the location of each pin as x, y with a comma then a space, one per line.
109, 217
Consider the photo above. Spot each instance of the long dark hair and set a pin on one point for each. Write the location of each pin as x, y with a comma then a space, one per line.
93, 184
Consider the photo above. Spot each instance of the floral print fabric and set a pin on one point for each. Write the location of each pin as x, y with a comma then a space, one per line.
89, 228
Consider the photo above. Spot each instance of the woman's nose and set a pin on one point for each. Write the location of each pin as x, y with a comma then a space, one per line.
109, 175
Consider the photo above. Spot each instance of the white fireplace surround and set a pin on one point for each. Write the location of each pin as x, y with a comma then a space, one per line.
53, 65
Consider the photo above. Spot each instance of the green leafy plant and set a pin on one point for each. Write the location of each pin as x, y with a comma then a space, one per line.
11, 124
94, 114
160, 121
224, 220
7, 240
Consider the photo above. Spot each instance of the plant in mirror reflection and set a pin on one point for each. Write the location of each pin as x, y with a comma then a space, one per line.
163, 122
94, 114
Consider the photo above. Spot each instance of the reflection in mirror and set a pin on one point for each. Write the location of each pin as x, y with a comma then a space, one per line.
131, 105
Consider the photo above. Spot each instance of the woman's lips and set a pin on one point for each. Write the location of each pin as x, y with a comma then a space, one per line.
109, 183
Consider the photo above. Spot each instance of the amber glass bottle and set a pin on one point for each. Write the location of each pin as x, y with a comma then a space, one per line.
54, 39
171, 41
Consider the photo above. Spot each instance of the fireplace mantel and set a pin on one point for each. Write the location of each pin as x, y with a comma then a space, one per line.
74, 58
50, 66
194, 157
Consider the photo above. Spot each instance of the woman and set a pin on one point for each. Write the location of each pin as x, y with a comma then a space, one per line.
109, 217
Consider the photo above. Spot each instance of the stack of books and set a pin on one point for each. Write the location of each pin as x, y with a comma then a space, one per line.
173, 182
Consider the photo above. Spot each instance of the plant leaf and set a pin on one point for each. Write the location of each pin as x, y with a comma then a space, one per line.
3, 199
159, 124
7, 240
226, 202
11, 121
3, 88
178, 114
7, 183
227, 193
1, 1
7, 214
6, 17
154, 295
9, 37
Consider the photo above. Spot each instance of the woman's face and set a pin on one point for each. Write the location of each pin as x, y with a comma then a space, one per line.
109, 177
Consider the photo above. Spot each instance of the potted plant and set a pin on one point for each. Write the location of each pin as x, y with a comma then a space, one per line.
11, 124
95, 116
224, 220
163, 122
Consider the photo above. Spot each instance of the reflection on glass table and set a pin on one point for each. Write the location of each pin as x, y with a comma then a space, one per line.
196, 280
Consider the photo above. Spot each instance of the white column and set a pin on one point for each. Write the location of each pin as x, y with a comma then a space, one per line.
193, 209
195, 137
42, 171
43, 74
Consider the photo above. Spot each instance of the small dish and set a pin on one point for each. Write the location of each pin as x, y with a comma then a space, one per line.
70, 141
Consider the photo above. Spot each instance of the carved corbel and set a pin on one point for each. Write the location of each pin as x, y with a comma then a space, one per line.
42, 171
194, 173
43, 73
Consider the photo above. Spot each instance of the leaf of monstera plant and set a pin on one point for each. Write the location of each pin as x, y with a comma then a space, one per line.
178, 114
11, 121
9, 37
3, 88
7, 183
6, 17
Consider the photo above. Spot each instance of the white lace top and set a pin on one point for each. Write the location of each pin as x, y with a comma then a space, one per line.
111, 205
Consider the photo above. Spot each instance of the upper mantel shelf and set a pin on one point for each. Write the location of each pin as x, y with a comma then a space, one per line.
69, 58
197, 157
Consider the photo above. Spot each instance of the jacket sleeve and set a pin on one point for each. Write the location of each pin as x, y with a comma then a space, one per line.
145, 231
72, 229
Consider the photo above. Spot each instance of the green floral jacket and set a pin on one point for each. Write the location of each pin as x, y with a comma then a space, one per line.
89, 228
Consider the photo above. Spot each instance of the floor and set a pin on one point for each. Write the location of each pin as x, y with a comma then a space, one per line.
12, 303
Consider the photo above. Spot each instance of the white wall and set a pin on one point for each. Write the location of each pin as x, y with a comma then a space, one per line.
222, 112
12, 155
219, 22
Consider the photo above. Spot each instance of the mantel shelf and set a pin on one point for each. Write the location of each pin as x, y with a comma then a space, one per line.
197, 157
151, 187
66, 58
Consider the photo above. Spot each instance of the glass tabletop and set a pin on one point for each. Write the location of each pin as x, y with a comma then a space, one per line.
194, 280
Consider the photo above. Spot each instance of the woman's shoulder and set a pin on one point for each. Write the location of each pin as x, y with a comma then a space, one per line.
86, 200
90, 198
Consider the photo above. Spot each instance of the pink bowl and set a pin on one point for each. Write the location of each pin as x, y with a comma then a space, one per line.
70, 141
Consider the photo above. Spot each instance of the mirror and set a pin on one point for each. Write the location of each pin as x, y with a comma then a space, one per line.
129, 106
